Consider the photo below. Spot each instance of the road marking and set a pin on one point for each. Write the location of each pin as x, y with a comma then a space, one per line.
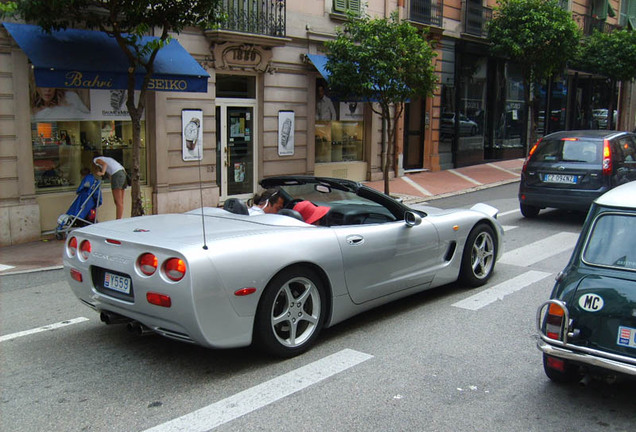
498, 292
42, 329
509, 227
538, 251
264, 394
5, 267
508, 212
503, 169
465, 177
416, 186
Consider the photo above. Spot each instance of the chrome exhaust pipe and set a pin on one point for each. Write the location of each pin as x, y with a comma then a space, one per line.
112, 318
138, 328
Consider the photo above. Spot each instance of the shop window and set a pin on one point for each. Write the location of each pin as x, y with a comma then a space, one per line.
235, 86
339, 128
70, 127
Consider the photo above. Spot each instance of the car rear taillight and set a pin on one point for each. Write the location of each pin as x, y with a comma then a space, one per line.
147, 264
174, 269
85, 250
607, 158
532, 150
76, 275
72, 246
554, 321
159, 299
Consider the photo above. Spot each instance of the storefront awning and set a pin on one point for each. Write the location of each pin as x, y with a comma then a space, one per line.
320, 62
75, 58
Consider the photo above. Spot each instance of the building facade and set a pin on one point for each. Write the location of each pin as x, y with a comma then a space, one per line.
266, 110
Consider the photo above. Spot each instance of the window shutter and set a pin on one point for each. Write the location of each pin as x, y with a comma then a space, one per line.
599, 9
631, 14
354, 6
340, 6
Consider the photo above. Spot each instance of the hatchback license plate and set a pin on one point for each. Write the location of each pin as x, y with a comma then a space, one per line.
117, 283
559, 178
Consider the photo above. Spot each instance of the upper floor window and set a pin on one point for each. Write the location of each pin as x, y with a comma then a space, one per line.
342, 6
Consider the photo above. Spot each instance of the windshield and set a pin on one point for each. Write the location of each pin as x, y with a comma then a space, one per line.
612, 242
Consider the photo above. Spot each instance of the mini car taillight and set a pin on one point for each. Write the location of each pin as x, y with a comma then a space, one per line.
85, 250
147, 264
72, 246
607, 158
554, 322
174, 269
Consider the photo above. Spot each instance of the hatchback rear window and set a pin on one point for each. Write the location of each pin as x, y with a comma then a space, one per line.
612, 242
584, 151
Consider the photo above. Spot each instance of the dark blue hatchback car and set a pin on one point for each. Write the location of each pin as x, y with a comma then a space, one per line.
570, 169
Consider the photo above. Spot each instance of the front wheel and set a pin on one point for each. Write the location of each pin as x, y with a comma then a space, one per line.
478, 260
291, 313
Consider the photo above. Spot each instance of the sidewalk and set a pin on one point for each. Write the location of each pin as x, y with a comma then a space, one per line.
46, 254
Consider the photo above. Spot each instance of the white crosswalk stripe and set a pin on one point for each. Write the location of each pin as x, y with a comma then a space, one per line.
538, 251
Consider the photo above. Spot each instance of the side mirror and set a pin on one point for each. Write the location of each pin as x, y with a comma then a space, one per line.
412, 219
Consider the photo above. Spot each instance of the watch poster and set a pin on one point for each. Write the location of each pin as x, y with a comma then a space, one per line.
285, 133
192, 134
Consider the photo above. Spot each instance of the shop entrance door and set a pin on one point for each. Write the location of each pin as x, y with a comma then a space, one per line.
236, 144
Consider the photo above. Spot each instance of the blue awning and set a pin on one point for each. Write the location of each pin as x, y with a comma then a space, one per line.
320, 62
75, 58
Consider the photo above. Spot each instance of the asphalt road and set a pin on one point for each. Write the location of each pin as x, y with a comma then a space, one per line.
449, 359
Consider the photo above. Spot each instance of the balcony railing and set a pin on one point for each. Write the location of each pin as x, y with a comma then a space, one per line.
475, 19
426, 12
589, 24
261, 17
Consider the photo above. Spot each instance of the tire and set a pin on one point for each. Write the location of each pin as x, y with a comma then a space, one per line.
286, 329
529, 211
478, 259
568, 376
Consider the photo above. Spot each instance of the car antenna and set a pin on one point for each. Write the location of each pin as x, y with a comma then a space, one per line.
205, 246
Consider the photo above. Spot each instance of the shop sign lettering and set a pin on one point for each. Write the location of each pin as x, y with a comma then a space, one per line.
167, 84
77, 79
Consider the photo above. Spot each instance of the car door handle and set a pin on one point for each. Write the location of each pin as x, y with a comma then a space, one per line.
355, 240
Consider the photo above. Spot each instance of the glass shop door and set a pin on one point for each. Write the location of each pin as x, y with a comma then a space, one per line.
236, 144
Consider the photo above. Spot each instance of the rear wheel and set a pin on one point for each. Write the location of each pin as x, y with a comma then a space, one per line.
569, 373
291, 312
478, 260
529, 211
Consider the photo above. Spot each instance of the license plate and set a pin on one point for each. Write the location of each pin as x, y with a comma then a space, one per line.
626, 337
117, 283
559, 178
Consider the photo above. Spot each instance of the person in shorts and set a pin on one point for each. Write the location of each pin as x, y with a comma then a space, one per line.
117, 174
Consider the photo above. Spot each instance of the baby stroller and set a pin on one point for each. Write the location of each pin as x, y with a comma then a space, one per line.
83, 210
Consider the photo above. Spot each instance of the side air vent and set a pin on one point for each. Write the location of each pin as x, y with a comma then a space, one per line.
451, 251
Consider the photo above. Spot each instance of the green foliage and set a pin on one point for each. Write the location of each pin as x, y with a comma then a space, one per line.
537, 34
609, 54
380, 59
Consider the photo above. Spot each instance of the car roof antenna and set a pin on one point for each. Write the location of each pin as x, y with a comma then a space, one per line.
205, 246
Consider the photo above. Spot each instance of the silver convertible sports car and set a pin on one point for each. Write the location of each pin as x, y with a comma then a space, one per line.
223, 279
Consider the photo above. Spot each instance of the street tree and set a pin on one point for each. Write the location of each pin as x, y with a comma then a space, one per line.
127, 21
612, 55
540, 36
385, 61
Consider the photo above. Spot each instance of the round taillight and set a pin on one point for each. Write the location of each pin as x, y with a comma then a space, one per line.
72, 246
85, 249
147, 264
174, 269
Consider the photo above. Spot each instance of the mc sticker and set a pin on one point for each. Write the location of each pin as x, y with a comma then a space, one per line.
591, 302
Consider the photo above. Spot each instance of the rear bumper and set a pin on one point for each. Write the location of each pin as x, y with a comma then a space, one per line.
561, 199
593, 358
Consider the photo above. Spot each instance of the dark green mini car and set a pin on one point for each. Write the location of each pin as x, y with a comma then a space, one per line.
588, 327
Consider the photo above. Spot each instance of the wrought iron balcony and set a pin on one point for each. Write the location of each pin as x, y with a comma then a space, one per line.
590, 23
426, 12
476, 17
260, 17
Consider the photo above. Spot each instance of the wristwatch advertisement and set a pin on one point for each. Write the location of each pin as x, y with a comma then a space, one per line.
192, 122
